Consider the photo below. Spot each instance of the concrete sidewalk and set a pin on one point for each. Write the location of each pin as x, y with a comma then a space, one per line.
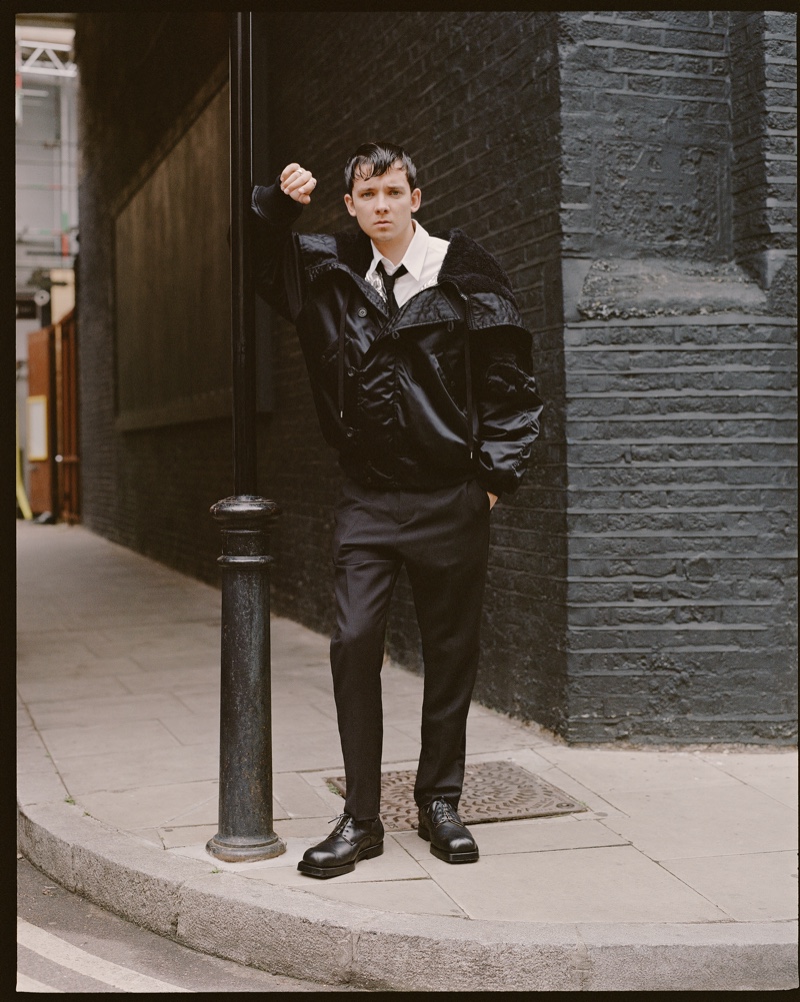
682, 873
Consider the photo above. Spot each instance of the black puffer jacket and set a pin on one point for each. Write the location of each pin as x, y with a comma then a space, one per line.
439, 394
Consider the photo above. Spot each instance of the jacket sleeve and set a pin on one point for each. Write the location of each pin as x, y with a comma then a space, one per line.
508, 407
277, 265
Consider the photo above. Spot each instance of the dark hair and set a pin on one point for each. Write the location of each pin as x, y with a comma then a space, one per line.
379, 157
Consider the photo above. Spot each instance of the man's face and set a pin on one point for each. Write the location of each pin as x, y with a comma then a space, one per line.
383, 205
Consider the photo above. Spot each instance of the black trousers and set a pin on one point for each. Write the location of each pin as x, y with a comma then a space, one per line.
442, 537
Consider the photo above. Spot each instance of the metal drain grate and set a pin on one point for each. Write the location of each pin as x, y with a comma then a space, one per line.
493, 791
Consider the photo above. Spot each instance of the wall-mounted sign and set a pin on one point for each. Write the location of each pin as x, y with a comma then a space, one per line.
26, 309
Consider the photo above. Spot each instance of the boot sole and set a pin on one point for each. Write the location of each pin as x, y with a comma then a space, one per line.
449, 857
324, 872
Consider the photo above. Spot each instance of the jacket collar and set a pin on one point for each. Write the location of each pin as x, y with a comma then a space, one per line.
466, 263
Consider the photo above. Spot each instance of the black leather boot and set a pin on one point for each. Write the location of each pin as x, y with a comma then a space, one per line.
349, 842
449, 837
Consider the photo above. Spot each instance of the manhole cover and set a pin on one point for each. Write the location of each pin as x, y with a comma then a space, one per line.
493, 791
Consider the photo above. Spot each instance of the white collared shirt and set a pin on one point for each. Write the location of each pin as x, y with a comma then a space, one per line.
423, 259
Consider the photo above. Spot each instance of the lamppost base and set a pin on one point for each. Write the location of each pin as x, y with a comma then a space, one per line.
245, 833
243, 850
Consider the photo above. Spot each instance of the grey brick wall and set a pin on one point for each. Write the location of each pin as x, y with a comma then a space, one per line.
680, 411
646, 145
780, 106
764, 127
682, 552
749, 167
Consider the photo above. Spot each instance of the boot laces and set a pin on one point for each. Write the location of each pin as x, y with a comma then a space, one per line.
341, 821
448, 812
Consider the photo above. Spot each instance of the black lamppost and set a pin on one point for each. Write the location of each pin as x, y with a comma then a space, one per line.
245, 775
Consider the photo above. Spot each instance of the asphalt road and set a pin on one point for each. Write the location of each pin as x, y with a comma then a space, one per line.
67, 944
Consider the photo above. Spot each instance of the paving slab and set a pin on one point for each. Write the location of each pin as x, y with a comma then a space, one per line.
150, 836
412, 897
607, 771
171, 676
192, 728
185, 836
712, 821
108, 739
583, 794
59, 686
748, 886
297, 797
492, 732
775, 775
613, 883
95, 669
152, 806
132, 769
527, 836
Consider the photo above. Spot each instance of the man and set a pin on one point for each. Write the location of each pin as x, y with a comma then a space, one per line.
421, 373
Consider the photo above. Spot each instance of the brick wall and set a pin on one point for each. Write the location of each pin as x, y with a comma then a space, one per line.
475, 99
641, 581
488, 163
680, 409
149, 491
645, 105
780, 108
780, 45
749, 167
764, 170
681, 519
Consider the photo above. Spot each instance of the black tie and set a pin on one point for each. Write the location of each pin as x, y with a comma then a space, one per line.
388, 285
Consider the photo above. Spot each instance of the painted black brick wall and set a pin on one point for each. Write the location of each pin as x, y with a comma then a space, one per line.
682, 513
780, 107
681, 432
749, 167
764, 172
474, 97
646, 138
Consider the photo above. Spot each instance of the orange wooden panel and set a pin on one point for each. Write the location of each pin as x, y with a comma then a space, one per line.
41, 360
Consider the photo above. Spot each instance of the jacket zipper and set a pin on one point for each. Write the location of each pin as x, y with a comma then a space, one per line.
468, 370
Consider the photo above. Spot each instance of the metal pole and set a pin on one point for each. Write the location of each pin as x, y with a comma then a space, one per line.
242, 302
245, 776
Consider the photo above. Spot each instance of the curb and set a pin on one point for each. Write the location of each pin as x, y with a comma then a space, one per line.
294, 933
